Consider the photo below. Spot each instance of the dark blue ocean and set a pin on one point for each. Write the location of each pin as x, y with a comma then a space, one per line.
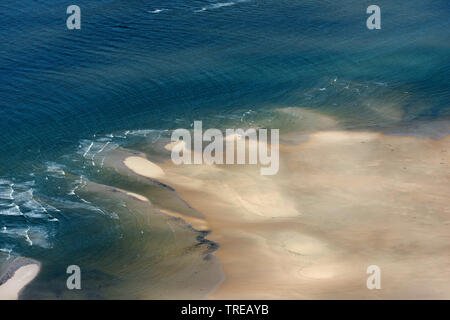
140, 68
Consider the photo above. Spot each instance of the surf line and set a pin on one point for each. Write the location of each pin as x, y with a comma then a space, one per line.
214, 152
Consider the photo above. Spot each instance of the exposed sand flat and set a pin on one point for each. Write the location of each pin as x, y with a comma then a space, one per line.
99, 187
341, 201
144, 167
137, 196
22, 276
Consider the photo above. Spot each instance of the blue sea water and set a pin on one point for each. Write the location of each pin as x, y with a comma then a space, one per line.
138, 69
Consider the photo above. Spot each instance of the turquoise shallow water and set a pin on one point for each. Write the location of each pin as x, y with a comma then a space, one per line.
132, 74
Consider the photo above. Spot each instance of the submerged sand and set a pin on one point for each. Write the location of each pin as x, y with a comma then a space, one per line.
341, 201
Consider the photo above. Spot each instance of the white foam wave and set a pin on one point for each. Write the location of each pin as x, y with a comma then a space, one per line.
24, 184
36, 210
55, 168
26, 205
222, 4
88, 149
246, 114
6, 191
13, 211
24, 196
34, 236
27, 237
142, 133
17, 233
219, 5
8, 251
80, 183
158, 11
91, 149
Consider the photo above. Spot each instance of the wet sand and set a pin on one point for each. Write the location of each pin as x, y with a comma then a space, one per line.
341, 201
159, 255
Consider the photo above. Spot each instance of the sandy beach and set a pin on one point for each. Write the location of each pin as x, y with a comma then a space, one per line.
20, 273
342, 201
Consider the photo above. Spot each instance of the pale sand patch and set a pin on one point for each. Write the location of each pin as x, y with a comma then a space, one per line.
144, 167
298, 243
137, 196
176, 146
319, 272
99, 188
11, 288
341, 201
